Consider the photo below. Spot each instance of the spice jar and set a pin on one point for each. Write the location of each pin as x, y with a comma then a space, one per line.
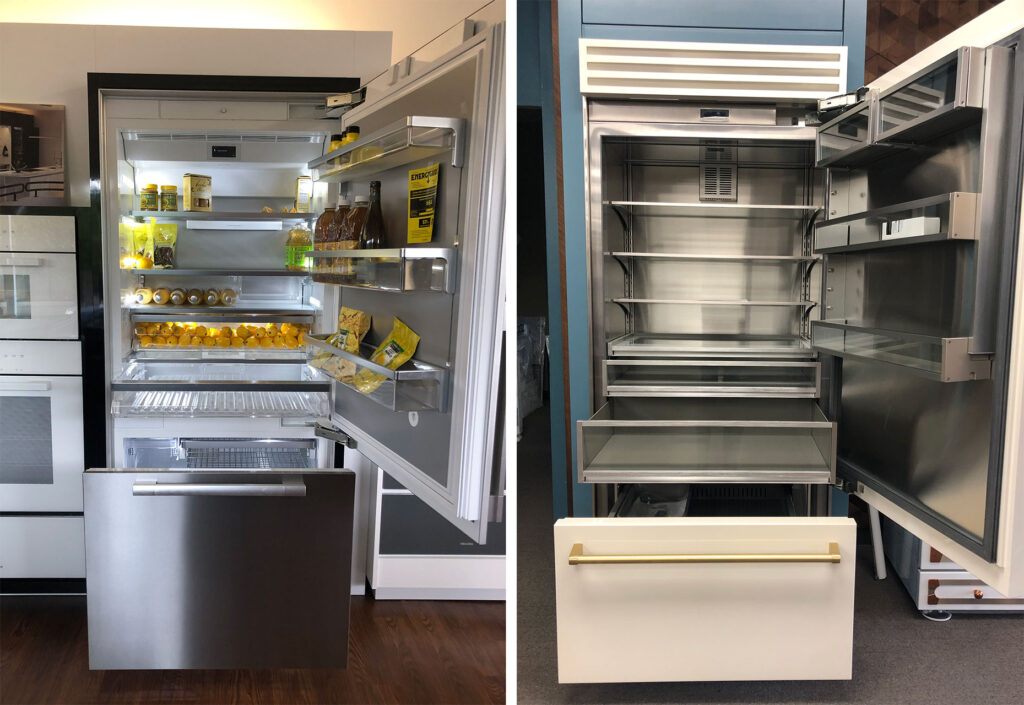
168, 198
148, 199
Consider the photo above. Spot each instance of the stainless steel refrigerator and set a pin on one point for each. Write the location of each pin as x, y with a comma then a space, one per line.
221, 533
780, 307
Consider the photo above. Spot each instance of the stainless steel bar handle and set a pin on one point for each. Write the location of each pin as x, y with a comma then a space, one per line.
288, 487
576, 557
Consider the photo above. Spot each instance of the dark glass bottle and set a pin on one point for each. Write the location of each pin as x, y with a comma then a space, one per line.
373, 230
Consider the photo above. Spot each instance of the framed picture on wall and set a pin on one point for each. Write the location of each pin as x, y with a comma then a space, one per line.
32, 155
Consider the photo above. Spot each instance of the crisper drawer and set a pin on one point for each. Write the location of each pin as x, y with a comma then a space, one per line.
711, 378
707, 440
709, 599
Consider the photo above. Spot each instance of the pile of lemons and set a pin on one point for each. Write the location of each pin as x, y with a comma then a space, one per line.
197, 335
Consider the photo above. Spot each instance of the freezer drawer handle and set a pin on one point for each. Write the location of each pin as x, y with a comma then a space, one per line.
289, 487
576, 557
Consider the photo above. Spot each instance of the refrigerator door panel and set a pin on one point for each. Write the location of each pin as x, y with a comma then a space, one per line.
704, 599
445, 456
218, 569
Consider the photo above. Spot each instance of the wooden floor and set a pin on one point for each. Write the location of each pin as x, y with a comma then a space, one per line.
400, 652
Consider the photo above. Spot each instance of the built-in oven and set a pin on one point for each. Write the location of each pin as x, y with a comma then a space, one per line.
38, 282
41, 436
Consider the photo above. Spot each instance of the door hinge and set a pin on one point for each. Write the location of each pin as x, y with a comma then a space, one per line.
848, 486
339, 104
334, 434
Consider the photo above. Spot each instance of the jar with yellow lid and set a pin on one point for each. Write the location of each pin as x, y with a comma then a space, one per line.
351, 134
149, 196
168, 198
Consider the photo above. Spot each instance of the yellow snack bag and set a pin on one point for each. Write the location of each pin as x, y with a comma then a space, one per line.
143, 236
352, 328
393, 352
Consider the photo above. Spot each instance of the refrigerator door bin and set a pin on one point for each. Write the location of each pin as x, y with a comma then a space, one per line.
684, 346
943, 97
201, 569
416, 386
711, 378
939, 359
637, 598
400, 269
412, 139
707, 440
949, 216
848, 140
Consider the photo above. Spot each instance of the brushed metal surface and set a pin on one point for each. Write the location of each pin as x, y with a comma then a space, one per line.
924, 439
218, 581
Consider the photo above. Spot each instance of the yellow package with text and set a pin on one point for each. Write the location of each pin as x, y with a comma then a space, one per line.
396, 349
422, 203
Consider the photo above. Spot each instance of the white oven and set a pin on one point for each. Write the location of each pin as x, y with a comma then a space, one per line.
41, 434
38, 283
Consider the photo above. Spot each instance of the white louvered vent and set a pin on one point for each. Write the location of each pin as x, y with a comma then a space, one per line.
626, 68
193, 136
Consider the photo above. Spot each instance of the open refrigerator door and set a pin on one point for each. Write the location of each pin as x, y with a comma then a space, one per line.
418, 395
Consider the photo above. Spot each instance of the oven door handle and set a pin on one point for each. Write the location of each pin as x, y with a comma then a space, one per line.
21, 261
288, 487
25, 386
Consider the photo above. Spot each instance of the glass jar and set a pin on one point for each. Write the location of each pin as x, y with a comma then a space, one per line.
168, 198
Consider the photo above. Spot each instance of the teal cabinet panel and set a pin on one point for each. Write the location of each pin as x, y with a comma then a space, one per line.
736, 14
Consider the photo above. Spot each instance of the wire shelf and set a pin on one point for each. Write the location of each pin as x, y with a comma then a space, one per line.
247, 457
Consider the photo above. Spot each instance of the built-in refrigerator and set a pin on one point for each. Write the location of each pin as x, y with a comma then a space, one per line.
227, 457
783, 302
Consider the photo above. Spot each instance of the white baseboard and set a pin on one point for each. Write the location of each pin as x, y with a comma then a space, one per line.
439, 578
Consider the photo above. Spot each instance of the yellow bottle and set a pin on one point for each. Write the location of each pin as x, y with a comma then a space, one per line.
143, 296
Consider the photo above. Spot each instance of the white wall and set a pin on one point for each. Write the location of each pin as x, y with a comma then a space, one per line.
47, 63
412, 23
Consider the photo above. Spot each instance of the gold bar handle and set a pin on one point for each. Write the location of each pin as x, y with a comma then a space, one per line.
576, 557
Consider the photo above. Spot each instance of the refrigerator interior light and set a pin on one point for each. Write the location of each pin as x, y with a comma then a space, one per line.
233, 224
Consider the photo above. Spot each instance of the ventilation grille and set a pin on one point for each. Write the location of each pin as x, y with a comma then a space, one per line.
718, 170
641, 68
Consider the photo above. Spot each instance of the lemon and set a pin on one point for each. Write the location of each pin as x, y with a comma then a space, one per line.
223, 342
201, 331
242, 332
290, 341
266, 342
209, 341
184, 339
237, 342
226, 331
146, 341
172, 341
252, 343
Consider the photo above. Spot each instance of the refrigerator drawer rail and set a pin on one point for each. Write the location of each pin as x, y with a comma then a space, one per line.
939, 359
416, 386
668, 345
950, 216
711, 378
707, 440
418, 269
406, 141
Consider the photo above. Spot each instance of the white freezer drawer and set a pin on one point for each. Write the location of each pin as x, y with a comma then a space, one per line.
42, 547
650, 619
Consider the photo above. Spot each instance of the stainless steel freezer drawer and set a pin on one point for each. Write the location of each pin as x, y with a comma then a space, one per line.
223, 569
707, 440
708, 599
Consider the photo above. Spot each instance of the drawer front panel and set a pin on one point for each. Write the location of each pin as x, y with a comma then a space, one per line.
742, 620
42, 547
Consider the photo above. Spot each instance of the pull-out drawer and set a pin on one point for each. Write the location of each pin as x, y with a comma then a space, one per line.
707, 440
711, 378
710, 599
